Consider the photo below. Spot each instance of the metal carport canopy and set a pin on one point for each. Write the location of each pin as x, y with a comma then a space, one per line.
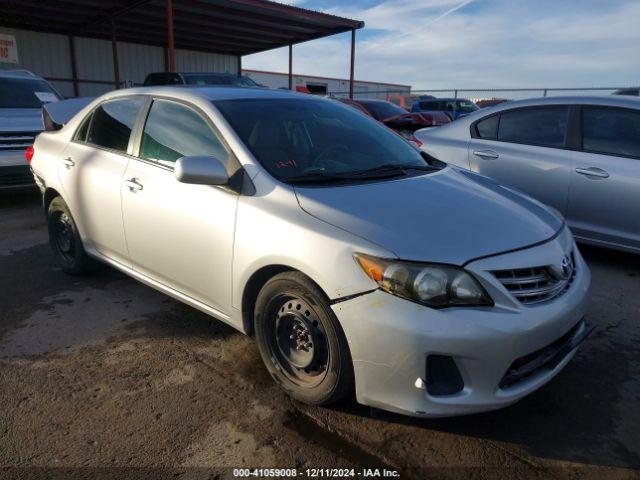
232, 27
235, 27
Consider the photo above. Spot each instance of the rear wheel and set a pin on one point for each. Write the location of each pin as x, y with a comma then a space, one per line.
300, 340
65, 239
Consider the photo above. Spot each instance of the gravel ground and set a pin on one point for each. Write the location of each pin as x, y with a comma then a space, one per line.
101, 376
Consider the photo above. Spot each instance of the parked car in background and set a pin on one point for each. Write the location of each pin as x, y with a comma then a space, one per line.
198, 78
22, 95
490, 102
454, 107
397, 118
354, 259
581, 155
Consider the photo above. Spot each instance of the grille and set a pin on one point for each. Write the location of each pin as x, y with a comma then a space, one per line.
16, 140
538, 284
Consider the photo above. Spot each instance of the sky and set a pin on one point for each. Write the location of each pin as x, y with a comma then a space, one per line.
475, 43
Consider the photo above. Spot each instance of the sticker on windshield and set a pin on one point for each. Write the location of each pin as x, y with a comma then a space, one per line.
46, 97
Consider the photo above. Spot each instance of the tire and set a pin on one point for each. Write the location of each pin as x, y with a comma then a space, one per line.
301, 341
65, 239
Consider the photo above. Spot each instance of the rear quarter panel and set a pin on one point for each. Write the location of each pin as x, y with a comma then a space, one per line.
449, 143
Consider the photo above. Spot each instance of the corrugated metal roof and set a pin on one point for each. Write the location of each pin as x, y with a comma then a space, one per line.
233, 27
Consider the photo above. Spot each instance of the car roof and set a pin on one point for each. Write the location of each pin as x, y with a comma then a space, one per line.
226, 74
606, 100
372, 100
22, 74
207, 92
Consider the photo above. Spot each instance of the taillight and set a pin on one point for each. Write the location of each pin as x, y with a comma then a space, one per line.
416, 141
28, 153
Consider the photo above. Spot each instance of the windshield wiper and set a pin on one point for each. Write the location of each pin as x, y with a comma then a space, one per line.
317, 177
380, 171
388, 169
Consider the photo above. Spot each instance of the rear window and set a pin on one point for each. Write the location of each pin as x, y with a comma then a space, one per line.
112, 123
544, 127
25, 93
383, 110
488, 128
612, 131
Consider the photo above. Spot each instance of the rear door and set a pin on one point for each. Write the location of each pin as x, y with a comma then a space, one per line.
91, 169
604, 196
525, 148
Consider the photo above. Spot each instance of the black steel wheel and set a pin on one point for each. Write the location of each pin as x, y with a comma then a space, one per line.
63, 235
65, 239
300, 340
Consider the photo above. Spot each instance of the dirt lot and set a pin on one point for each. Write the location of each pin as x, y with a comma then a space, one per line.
102, 376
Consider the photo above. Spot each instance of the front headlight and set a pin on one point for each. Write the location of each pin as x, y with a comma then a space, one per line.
431, 284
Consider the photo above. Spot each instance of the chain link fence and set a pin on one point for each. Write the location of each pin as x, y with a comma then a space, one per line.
482, 97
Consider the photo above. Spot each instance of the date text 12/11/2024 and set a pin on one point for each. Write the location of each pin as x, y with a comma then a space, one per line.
315, 473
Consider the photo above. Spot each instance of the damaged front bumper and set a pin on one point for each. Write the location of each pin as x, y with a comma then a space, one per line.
419, 361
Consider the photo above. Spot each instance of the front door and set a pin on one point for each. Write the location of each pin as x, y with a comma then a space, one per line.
524, 149
178, 234
91, 169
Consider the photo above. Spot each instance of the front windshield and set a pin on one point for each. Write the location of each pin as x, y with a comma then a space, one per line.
383, 110
25, 93
294, 137
467, 106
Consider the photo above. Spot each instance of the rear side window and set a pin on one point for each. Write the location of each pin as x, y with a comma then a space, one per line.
112, 123
544, 127
174, 130
612, 131
488, 128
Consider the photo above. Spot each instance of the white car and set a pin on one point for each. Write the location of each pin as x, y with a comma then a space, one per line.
356, 261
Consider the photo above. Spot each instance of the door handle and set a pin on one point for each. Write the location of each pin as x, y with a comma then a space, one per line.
593, 172
486, 154
133, 185
68, 162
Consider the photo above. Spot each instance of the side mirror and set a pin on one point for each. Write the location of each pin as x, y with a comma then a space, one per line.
201, 170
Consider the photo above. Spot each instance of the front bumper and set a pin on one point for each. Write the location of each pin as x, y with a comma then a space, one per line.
391, 338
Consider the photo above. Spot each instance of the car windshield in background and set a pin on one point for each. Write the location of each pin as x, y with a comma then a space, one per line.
219, 80
466, 106
25, 93
317, 139
383, 110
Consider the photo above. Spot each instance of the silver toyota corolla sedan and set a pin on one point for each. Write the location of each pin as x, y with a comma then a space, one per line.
356, 261
581, 155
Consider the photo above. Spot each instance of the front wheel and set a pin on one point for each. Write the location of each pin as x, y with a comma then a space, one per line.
300, 340
65, 239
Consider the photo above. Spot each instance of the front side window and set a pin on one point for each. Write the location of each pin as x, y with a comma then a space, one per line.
25, 93
294, 137
544, 127
173, 131
112, 123
613, 131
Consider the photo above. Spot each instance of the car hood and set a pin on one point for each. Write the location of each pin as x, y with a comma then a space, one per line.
21, 120
451, 216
